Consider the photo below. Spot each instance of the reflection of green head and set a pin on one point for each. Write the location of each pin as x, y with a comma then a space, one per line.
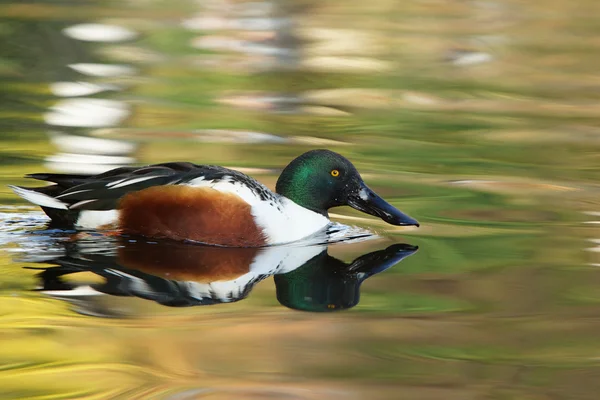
327, 284
319, 285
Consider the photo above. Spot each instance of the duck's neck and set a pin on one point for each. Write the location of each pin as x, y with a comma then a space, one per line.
300, 193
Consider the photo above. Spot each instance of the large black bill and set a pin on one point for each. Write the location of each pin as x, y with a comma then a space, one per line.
365, 200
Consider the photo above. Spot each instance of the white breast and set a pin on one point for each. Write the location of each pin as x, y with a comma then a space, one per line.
285, 221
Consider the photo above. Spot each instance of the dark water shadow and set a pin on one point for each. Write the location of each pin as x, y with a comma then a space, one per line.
181, 275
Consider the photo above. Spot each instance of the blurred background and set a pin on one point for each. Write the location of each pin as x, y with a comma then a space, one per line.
479, 118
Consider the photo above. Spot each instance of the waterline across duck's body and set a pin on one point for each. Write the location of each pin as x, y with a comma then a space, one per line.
210, 204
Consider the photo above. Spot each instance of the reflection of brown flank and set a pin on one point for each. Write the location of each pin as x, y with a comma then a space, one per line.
187, 262
184, 212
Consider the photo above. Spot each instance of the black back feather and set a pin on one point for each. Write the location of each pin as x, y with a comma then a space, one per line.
103, 191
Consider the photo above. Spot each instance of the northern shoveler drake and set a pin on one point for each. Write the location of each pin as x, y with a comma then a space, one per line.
211, 204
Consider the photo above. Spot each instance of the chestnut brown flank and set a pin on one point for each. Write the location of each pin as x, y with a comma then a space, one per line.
185, 212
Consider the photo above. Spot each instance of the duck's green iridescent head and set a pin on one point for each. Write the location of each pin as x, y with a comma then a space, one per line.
321, 179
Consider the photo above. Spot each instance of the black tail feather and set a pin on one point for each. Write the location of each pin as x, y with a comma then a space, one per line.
63, 180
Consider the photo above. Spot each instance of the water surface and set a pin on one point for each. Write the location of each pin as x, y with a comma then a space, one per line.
478, 118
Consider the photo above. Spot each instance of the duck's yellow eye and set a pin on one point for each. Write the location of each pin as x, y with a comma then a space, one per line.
335, 173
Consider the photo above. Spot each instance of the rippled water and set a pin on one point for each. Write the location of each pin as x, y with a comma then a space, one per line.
478, 118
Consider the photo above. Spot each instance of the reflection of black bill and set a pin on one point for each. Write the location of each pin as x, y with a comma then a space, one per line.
378, 261
367, 201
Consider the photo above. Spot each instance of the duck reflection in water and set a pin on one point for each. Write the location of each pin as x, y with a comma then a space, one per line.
178, 274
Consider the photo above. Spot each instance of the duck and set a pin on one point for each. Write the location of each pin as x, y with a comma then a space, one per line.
210, 204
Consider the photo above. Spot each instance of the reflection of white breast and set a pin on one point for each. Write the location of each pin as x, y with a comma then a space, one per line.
282, 259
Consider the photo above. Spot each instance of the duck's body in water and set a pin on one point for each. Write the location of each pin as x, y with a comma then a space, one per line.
211, 204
